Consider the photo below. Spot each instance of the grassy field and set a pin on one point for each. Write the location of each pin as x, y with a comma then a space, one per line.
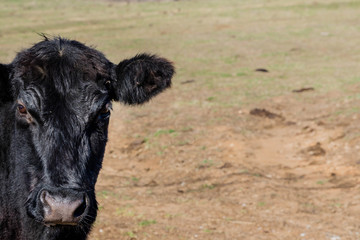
194, 163
217, 42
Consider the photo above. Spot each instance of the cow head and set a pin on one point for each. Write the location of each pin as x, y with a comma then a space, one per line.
59, 93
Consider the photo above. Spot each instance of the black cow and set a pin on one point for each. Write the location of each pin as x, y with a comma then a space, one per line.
55, 101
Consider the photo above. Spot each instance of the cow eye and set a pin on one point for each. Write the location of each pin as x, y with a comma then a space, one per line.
22, 109
104, 112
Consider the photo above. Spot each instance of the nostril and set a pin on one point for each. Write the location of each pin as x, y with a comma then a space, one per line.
46, 202
43, 195
79, 211
63, 209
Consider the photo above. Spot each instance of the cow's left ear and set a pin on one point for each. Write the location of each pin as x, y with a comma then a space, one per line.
5, 89
140, 78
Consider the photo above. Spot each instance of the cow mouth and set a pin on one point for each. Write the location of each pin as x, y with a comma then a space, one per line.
58, 224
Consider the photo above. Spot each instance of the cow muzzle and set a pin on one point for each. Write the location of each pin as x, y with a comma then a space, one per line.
63, 207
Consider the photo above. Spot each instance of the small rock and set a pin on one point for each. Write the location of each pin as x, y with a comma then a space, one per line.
188, 81
264, 70
316, 150
226, 165
265, 113
303, 90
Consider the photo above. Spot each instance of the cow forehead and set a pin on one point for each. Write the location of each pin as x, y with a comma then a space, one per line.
59, 76
61, 65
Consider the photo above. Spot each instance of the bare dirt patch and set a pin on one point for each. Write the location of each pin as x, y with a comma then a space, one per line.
248, 177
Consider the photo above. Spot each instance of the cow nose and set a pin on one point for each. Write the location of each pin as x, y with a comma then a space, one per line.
63, 210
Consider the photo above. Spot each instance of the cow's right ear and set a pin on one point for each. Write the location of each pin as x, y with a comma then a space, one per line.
140, 78
5, 89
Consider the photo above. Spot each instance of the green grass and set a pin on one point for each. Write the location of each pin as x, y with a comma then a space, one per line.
131, 234
206, 163
236, 35
164, 131
145, 223
125, 211
321, 182
208, 186
104, 194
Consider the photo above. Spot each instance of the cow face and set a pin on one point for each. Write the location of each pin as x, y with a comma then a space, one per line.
60, 93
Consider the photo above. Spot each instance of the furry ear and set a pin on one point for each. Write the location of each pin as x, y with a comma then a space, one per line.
140, 78
5, 90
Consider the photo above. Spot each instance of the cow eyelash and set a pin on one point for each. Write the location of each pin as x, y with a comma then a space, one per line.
104, 113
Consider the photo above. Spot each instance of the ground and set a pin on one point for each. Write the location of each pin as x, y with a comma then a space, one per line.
258, 138
293, 175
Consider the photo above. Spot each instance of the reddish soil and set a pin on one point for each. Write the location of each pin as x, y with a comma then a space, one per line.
285, 168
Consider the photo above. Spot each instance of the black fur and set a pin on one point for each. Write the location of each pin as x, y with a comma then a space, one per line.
142, 77
58, 144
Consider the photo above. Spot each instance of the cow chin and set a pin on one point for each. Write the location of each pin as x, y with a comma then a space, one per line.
62, 207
